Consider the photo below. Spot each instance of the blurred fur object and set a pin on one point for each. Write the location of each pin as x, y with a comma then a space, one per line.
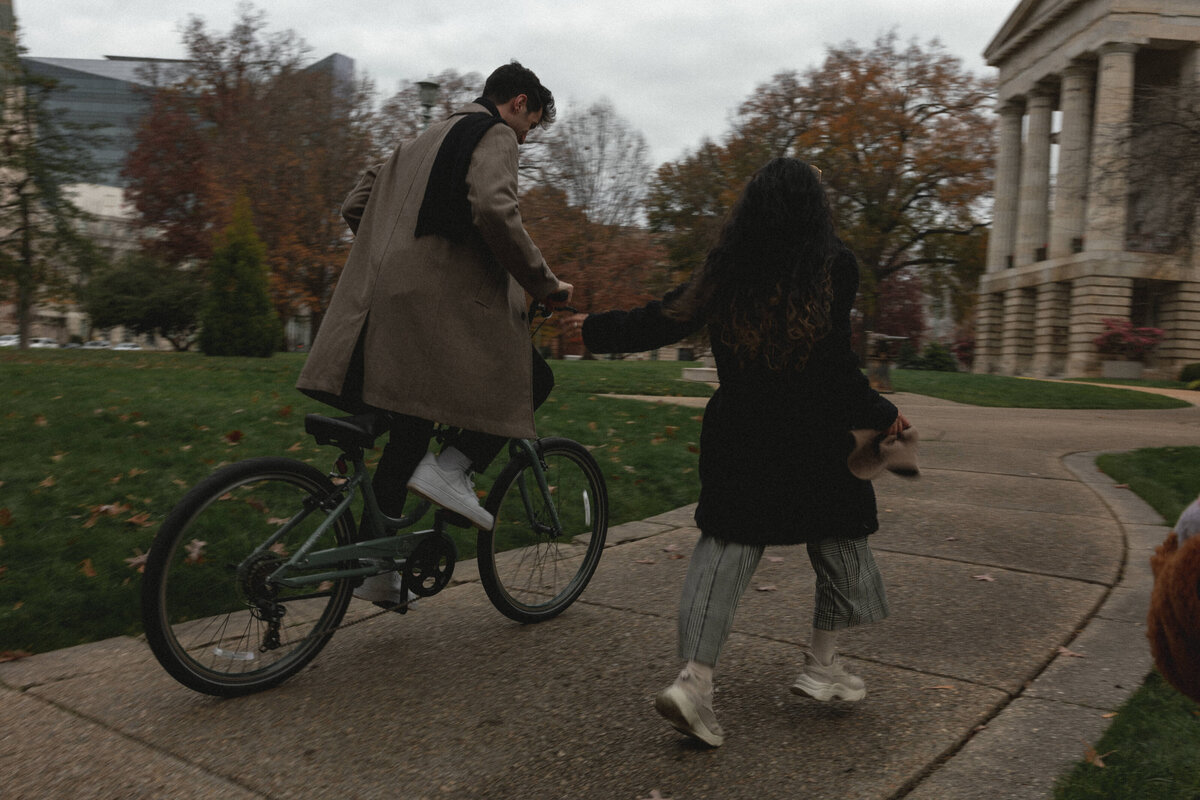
1173, 625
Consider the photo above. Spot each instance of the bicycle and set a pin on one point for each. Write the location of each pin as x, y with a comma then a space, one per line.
252, 572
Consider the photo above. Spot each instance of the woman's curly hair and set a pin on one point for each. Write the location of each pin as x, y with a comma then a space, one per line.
766, 288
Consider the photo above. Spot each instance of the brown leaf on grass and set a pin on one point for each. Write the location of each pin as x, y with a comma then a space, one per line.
296, 447
116, 479
984, 577
693, 448
13, 655
40, 420
87, 569
57, 457
233, 437
1062, 651
593, 426
195, 551
142, 520
671, 430
47, 482
285, 411
1092, 757
5, 518
138, 561
133, 473
181, 484
658, 440
276, 520
279, 549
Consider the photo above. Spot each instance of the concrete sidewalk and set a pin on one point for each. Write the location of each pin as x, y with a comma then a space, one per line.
1018, 579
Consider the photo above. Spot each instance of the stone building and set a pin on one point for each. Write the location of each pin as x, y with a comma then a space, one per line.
1080, 232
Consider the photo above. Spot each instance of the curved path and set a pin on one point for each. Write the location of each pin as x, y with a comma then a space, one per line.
1018, 578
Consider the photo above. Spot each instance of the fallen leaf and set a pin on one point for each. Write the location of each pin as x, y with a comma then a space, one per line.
766, 587
1112, 714
693, 449
286, 411
133, 473
297, 446
57, 457
87, 569
13, 655
138, 561
40, 420
141, 520
951, 538
676, 556
1119, 486
592, 426
671, 548
984, 577
671, 430
1062, 651
643, 561
48, 482
774, 559
233, 437
279, 549
5, 518
195, 551
1092, 757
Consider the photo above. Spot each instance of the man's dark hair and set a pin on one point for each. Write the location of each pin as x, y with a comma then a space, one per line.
513, 79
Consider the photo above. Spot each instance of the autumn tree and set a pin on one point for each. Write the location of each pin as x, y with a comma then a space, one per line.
238, 318
245, 114
903, 134
42, 155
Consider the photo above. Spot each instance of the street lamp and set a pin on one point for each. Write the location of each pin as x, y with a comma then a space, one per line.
427, 92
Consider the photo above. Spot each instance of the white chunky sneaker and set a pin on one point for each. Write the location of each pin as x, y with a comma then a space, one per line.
386, 590
687, 705
452, 489
826, 682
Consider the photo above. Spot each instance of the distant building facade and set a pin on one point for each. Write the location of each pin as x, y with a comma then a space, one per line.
1076, 236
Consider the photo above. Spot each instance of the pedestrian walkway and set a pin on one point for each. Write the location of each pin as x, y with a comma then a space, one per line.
1018, 580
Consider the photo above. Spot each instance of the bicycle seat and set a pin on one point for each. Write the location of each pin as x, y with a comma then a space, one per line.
357, 431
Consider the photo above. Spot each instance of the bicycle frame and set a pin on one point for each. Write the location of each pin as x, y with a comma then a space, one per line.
386, 548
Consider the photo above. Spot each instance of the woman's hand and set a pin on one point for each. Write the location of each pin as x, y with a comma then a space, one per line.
899, 425
573, 324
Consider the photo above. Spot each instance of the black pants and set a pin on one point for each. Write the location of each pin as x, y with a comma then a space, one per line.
408, 440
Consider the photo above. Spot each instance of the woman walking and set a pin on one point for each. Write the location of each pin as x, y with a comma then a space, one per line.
775, 292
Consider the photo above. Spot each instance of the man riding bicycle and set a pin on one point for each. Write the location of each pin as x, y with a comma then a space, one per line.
428, 320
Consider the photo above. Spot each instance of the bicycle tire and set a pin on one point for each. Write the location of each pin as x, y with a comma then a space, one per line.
203, 604
528, 574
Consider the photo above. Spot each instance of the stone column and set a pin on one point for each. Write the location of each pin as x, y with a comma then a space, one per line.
1034, 205
1108, 185
1016, 344
1052, 321
1180, 318
1070, 196
1007, 188
987, 333
1093, 298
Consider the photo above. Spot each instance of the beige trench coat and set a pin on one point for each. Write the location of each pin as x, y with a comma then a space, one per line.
446, 332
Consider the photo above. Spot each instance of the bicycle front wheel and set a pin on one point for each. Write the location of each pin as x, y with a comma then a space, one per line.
212, 615
530, 570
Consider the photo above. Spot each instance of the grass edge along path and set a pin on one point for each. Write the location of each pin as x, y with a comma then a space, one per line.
1149, 750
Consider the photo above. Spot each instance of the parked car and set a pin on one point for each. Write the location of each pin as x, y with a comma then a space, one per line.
9, 340
96, 344
126, 346
42, 342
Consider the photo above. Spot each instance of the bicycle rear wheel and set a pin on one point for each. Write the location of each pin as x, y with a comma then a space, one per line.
530, 572
213, 619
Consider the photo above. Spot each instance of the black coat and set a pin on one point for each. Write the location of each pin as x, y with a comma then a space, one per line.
774, 443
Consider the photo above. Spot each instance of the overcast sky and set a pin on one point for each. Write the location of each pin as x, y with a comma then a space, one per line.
676, 69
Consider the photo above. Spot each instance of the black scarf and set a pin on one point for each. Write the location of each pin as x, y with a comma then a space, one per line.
445, 211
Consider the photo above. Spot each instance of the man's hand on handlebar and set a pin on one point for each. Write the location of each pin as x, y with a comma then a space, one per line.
559, 297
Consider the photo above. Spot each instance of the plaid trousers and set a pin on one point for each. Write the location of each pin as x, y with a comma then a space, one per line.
849, 590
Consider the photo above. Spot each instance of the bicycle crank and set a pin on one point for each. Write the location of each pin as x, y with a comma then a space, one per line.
429, 566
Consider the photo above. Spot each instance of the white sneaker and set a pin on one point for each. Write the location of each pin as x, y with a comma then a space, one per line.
830, 681
386, 589
452, 489
687, 705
